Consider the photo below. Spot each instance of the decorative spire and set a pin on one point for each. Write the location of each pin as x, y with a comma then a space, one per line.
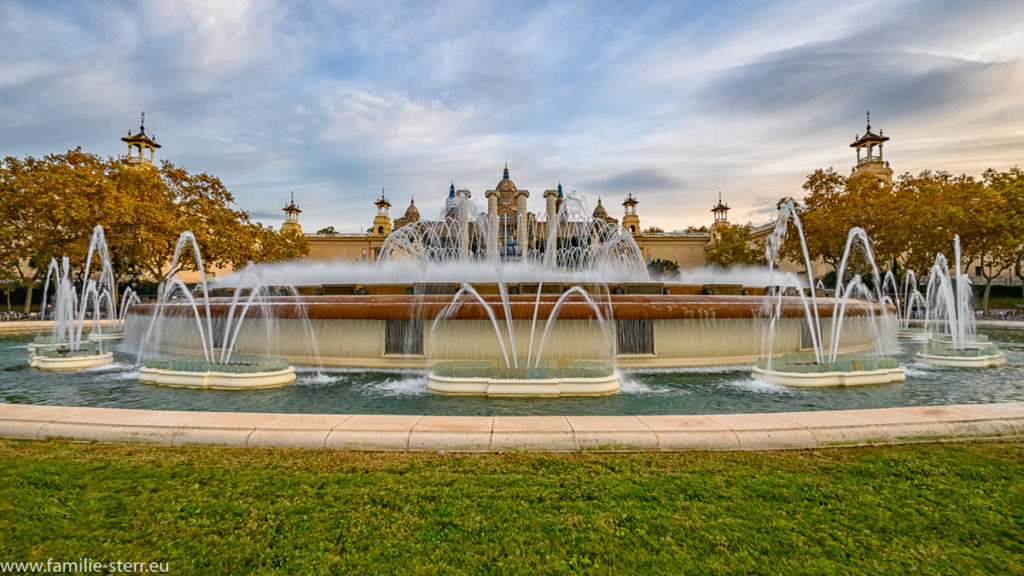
142, 123
451, 191
868, 113
505, 175
560, 190
291, 208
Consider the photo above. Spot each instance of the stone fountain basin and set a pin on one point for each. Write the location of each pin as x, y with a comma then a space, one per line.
554, 379
550, 387
913, 334
951, 361
211, 379
353, 330
70, 362
830, 379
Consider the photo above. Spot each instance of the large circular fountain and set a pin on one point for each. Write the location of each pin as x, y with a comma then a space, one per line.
533, 322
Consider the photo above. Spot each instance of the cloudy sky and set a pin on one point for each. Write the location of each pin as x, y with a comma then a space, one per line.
674, 101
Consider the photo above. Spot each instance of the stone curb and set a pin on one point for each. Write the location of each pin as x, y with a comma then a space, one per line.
400, 433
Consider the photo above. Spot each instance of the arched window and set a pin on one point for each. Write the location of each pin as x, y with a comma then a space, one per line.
380, 230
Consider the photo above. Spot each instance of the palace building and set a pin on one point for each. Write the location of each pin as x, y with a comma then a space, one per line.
514, 226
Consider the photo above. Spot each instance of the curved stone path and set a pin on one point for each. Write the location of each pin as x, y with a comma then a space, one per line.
775, 431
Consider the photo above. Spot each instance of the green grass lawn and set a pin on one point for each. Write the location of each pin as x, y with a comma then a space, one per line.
930, 508
1001, 302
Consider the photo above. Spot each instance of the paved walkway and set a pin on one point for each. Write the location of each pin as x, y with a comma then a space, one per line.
778, 431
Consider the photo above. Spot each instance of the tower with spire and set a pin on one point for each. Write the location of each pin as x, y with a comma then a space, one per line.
382, 221
721, 212
138, 144
869, 154
291, 218
630, 221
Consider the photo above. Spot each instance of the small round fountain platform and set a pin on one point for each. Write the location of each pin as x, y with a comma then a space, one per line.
241, 373
482, 378
801, 370
976, 354
105, 336
913, 334
52, 358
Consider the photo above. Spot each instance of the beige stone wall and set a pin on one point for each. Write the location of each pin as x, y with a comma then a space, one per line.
687, 252
344, 247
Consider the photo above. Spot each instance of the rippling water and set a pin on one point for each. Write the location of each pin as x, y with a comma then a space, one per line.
727, 389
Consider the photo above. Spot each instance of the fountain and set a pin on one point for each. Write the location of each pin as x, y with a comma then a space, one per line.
216, 328
575, 299
954, 341
914, 307
824, 366
517, 376
64, 348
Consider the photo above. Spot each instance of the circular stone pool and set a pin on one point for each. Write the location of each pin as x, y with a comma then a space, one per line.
719, 390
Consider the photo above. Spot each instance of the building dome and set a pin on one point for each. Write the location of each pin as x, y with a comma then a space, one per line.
600, 212
411, 213
506, 190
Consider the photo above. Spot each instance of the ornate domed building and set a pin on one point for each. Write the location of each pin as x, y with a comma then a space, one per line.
412, 214
601, 213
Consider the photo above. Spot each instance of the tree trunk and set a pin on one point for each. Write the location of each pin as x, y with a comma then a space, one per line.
1020, 274
984, 299
28, 297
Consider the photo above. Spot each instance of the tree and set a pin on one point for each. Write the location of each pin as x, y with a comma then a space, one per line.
51, 205
327, 230
659, 268
1000, 212
825, 215
274, 246
736, 247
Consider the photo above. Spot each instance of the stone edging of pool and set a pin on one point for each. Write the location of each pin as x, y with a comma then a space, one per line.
398, 433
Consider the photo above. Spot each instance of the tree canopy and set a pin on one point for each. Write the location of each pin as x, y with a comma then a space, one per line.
918, 217
736, 247
52, 203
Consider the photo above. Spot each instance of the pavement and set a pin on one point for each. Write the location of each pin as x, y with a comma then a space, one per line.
401, 433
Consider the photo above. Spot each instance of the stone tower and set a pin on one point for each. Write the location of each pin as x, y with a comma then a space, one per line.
721, 212
631, 221
381, 222
869, 160
139, 144
291, 218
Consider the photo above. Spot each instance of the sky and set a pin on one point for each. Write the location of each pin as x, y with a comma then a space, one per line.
672, 101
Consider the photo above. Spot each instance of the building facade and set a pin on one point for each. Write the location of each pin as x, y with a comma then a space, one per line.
513, 226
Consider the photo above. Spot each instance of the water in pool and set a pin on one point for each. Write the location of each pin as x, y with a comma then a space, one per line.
715, 390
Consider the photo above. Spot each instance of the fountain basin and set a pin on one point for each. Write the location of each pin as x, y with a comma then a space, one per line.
800, 370
242, 373
561, 379
105, 336
397, 331
913, 334
56, 360
979, 354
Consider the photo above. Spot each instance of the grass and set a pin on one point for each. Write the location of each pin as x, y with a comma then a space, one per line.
932, 508
1000, 302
